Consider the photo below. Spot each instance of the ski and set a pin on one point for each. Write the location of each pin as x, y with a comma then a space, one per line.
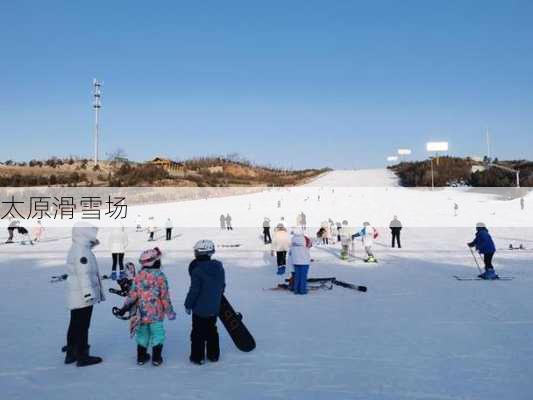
336, 282
346, 285
470, 278
326, 285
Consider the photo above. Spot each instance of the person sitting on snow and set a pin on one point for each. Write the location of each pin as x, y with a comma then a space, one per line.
485, 245
367, 235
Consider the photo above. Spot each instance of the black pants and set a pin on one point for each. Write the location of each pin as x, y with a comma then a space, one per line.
281, 258
78, 329
204, 336
325, 240
487, 258
266, 235
120, 258
396, 236
10, 230
151, 236
169, 233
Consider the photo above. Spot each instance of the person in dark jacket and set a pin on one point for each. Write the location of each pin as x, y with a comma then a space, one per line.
395, 228
203, 302
485, 245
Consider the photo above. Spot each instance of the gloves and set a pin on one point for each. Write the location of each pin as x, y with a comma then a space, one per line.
172, 316
119, 311
188, 311
88, 298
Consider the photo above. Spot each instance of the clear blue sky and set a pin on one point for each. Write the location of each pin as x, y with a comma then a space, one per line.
289, 83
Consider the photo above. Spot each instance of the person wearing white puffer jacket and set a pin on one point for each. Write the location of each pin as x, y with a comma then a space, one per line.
84, 289
118, 241
300, 259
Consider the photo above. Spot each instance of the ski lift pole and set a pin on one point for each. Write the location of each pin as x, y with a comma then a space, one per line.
475, 259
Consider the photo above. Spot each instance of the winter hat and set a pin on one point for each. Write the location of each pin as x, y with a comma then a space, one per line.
204, 247
481, 225
366, 223
345, 222
149, 257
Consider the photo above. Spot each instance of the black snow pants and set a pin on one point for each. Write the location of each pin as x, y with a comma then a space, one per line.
487, 259
396, 236
281, 258
266, 235
78, 329
204, 336
120, 258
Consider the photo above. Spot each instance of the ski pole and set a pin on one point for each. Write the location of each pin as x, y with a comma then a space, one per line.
475, 259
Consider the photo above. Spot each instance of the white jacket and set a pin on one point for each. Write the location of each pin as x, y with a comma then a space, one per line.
118, 240
84, 285
299, 254
281, 240
168, 223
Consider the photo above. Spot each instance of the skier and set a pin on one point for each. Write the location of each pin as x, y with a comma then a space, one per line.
149, 293
522, 203
485, 245
455, 209
168, 229
203, 302
266, 231
151, 229
13, 224
332, 229
300, 259
118, 242
280, 245
229, 227
339, 227
395, 228
37, 232
346, 239
326, 233
84, 289
279, 203
138, 223
222, 222
367, 234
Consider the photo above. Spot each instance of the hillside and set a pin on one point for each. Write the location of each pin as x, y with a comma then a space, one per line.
198, 172
455, 171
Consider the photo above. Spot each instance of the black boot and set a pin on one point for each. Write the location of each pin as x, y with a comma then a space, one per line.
70, 356
157, 360
142, 355
84, 359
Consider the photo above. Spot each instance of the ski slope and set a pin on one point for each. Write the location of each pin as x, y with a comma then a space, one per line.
416, 334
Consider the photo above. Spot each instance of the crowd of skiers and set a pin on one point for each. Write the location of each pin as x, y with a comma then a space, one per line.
148, 299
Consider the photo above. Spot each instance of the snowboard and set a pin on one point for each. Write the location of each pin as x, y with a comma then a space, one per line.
232, 321
475, 278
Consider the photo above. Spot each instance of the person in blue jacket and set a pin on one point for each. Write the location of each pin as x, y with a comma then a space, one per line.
485, 245
203, 302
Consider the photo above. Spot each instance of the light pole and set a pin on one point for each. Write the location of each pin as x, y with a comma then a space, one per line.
435, 147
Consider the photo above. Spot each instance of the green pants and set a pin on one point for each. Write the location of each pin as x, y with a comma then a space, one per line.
150, 334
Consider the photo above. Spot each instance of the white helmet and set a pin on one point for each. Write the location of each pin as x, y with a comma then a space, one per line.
204, 247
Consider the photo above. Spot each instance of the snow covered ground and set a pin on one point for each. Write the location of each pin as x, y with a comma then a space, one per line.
416, 334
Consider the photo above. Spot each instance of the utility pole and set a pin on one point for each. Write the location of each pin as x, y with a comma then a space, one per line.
487, 135
97, 104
